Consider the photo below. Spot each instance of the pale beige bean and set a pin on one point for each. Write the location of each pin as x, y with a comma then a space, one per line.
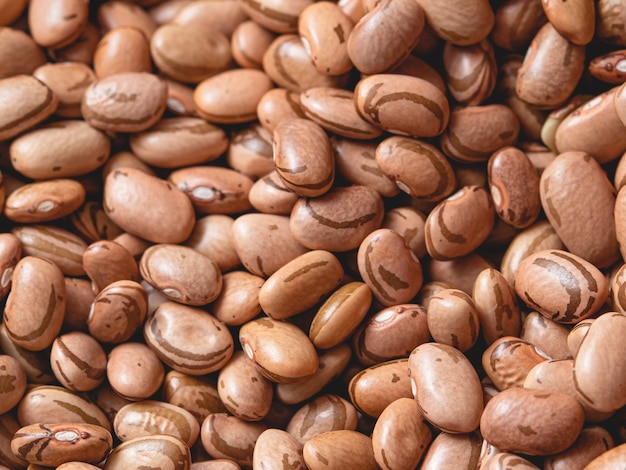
539, 236
375, 387
508, 360
470, 72
152, 417
288, 64
593, 382
532, 422
332, 363
275, 448
277, 105
333, 109
35, 363
514, 187
59, 24
134, 371
189, 54
283, 353
455, 451
21, 54
10, 253
324, 413
548, 271
300, 284
355, 161
402, 420
592, 442
212, 236
303, 157
60, 150
68, 81
250, 151
377, 100
324, 29
43, 201
194, 394
475, 132
13, 379
106, 262
238, 301
231, 97
27, 102
460, 23
62, 247
160, 213
446, 387
548, 335
547, 80
276, 15
34, 310
213, 189
187, 339
211, 15
385, 35
181, 274
113, 14
249, 42
54, 444
496, 305
264, 243
453, 319
124, 102
269, 195
389, 267
245, 392
339, 220
340, 315
53, 404
161, 451
78, 361
228, 437
460, 223
123, 49
105, 322
417, 167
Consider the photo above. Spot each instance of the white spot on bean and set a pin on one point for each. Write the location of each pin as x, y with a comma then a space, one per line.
621, 66
383, 316
66, 436
496, 195
46, 206
7, 274
170, 292
248, 350
403, 187
203, 193
175, 105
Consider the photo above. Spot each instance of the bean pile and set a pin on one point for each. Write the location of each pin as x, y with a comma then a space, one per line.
289, 234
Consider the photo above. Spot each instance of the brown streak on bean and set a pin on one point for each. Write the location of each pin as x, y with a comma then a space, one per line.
418, 148
447, 233
289, 20
91, 372
305, 269
33, 112
347, 224
36, 333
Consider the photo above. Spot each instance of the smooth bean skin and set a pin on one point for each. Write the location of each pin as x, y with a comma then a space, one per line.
78, 361
446, 387
238, 301
549, 336
68, 81
600, 391
129, 196
160, 450
303, 157
134, 371
212, 236
249, 42
401, 422
450, 22
150, 417
276, 15
339, 220
22, 55
576, 21
121, 50
57, 25
375, 98
276, 447
532, 422
34, 310
53, 444
339, 449
571, 290
187, 339
322, 414
453, 451
271, 345
611, 458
